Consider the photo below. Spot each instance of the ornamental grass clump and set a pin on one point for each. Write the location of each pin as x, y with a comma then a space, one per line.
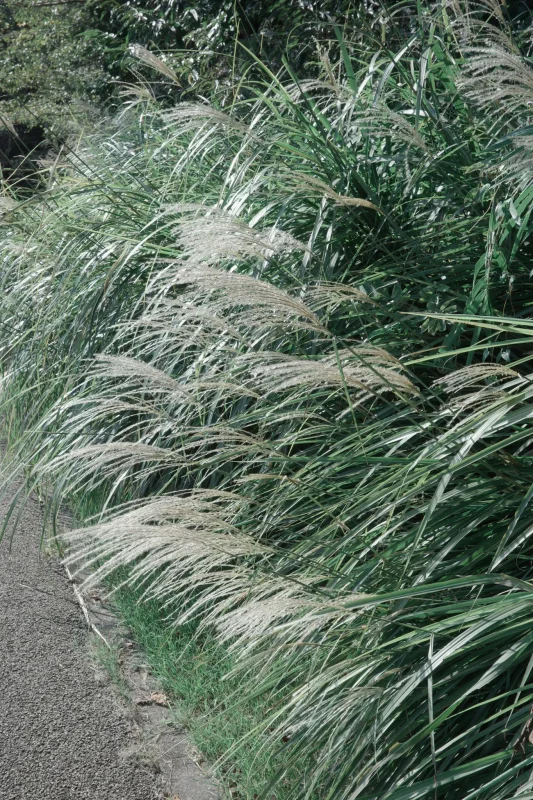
287, 343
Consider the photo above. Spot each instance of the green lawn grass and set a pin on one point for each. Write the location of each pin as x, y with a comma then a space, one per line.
223, 721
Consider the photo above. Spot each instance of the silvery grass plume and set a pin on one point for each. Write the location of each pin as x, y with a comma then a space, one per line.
476, 375
315, 185
498, 79
480, 388
194, 447
495, 77
380, 121
300, 92
479, 20
244, 301
143, 379
272, 372
208, 235
148, 58
352, 690
220, 310
176, 545
139, 400
331, 81
191, 116
330, 295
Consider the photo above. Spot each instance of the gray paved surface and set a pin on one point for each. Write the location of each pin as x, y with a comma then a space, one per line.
62, 736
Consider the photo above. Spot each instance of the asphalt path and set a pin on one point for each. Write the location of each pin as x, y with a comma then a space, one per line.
62, 734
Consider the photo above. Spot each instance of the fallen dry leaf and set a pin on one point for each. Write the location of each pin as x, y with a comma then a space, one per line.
154, 699
159, 698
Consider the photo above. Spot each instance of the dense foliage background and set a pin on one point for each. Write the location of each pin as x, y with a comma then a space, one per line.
57, 59
47, 68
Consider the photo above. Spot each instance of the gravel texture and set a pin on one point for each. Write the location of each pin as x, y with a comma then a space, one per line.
62, 735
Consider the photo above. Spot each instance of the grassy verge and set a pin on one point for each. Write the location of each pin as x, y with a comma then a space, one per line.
222, 719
